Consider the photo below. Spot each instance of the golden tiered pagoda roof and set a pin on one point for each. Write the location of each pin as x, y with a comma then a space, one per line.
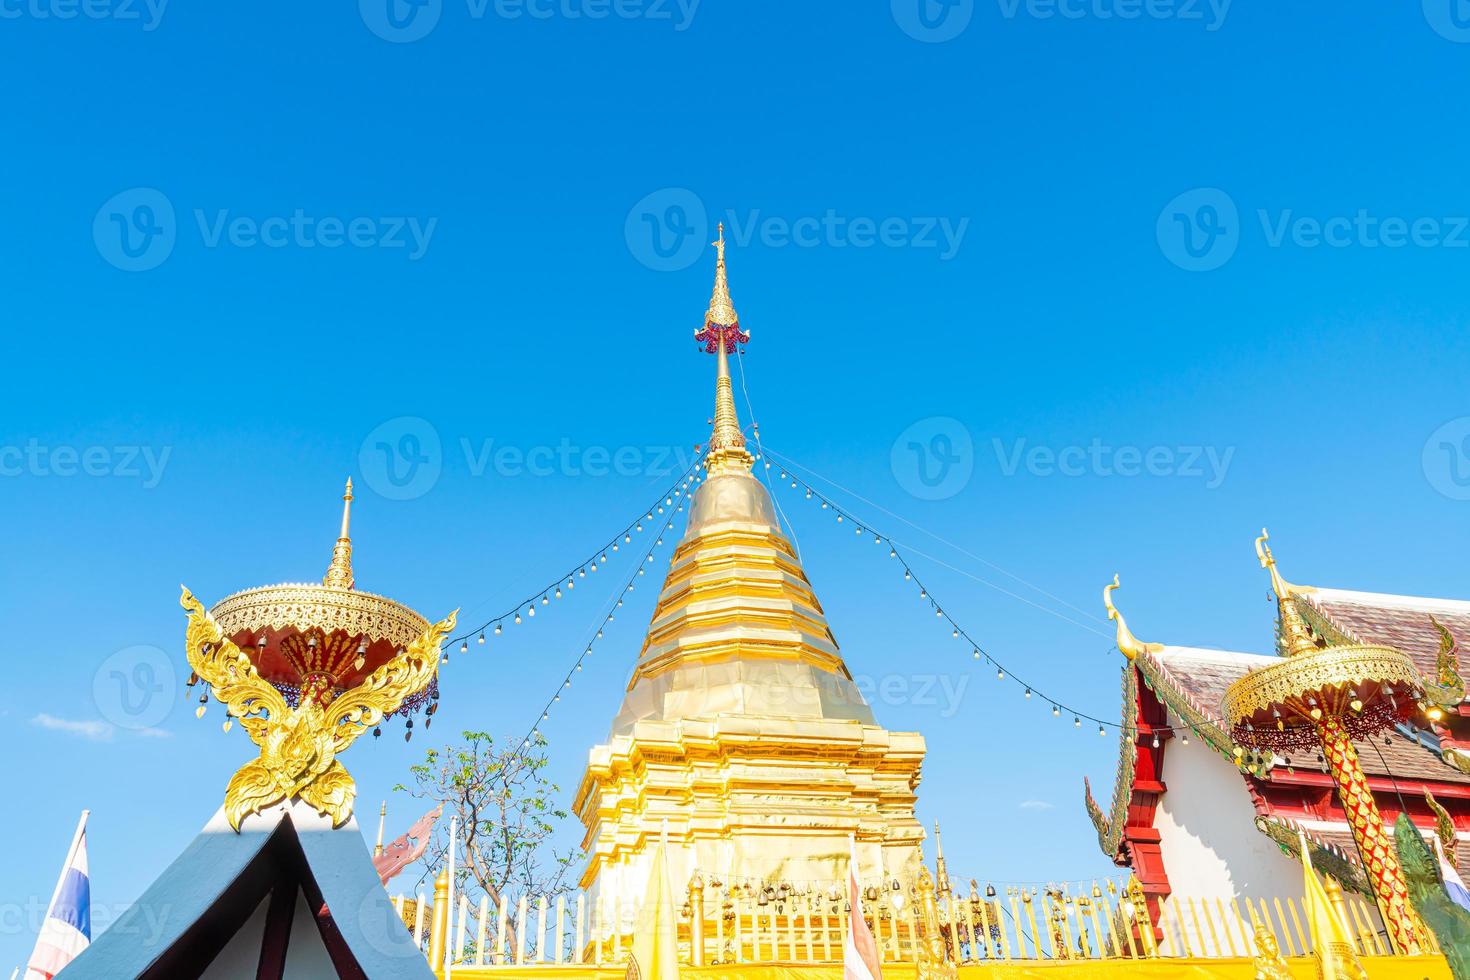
738, 629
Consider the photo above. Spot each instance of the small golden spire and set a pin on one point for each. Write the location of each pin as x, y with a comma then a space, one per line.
1295, 636
721, 307
339, 572
1128, 644
941, 872
382, 817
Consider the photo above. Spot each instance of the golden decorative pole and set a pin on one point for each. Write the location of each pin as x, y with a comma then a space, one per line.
1328, 696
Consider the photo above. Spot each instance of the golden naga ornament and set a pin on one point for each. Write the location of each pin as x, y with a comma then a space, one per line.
299, 746
307, 669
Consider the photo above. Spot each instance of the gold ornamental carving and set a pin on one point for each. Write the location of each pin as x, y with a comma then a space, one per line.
1306, 674
299, 746
323, 607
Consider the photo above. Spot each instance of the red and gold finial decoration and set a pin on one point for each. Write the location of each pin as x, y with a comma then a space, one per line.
721, 322
306, 669
315, 641
721, 332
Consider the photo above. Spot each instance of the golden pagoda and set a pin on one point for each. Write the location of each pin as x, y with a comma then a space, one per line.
741, 729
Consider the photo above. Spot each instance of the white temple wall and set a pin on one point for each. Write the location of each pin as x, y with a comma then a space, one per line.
1210, 845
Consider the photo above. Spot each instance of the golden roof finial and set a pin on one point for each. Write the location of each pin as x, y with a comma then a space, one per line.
720, 334
1279, 585
339, 572
941, 872
721, 307
1295, 636
1128, 644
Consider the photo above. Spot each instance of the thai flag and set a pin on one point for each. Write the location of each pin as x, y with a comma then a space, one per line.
860, 959
1452, 881
68, 926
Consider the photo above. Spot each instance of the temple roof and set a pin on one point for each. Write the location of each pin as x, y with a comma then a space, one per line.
215, 906
1189, 678
1397, 621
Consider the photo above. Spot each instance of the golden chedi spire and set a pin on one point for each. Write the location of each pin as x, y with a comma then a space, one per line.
1296, 636
1128, 644
339, 572
738, 629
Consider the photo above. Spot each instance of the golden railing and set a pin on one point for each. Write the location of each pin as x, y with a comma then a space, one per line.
1064, 923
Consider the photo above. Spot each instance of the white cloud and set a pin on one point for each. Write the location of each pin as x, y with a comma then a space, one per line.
154, 733
97, 731
1036, 805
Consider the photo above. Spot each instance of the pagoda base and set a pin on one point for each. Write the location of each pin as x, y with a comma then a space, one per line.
751, 799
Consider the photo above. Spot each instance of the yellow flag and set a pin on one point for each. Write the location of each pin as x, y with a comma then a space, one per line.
1332, 940
655, 943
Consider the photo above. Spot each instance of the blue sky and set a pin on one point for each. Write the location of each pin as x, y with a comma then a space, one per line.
1132, 285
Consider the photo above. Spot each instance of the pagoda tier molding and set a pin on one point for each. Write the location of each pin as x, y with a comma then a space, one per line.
728, 788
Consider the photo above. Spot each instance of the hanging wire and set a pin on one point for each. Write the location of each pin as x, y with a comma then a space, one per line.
598, 556
1058, 706
608, 616
791, 463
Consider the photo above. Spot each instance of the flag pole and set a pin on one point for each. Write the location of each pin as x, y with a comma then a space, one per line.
71, 852
449, 902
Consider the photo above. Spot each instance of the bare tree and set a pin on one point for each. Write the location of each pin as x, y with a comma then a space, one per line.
507, 811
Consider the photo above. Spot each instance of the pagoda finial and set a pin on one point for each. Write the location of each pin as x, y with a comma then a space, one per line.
339, 572
1128, 644
941, 871
1295, 635
720, 334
